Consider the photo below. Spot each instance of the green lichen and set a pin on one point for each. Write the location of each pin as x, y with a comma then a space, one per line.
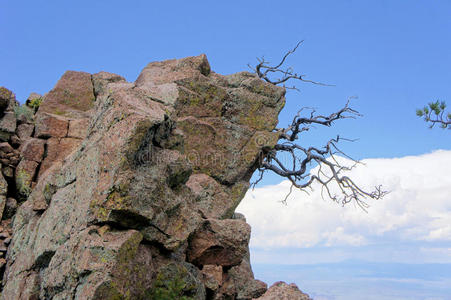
253, 116
262, 88
201, 98
117, 199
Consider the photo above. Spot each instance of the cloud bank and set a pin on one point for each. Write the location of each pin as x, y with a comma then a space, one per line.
417, 209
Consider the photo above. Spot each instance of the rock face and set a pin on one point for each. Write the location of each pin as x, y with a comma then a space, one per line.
124, 190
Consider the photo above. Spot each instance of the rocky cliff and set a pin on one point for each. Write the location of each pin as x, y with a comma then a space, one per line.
127, 190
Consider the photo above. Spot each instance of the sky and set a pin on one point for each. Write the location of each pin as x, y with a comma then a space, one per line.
394, 55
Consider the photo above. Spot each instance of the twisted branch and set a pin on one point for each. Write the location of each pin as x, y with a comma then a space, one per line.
263, 70
329, 168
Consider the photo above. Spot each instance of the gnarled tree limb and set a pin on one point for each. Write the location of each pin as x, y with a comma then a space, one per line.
329, 170
263, 70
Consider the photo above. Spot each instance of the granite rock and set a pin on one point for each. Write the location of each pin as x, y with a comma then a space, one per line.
127, 190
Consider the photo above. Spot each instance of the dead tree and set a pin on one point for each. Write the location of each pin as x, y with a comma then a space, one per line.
329, 169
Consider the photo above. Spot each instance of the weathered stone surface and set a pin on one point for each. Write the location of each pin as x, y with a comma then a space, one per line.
212, 276
78, 128
211, 198
138, 183
15, 141
24, 131
219, 242
49, 125
3, 186
2, 204
9, 158
7, 171
238, 281
57, 150
108, 261
5, 239
8, 122
10, 208
5, 96
157, 73
101, 80
5, 148
25, 172
242, 278
7, 125
33, 149
72, 95
11, 114
282, 291
7, 100
32, 152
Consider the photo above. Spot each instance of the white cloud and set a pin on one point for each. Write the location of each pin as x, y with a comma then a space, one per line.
418, 208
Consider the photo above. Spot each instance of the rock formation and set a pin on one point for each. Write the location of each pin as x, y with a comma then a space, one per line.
122, 190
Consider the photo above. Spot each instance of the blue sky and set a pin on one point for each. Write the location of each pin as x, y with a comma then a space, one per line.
394, 55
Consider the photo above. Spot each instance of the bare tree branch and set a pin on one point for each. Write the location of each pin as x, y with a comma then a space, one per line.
263, 70
301, 124
329, 171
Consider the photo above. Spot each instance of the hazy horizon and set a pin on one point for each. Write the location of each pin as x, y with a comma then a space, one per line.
356, 280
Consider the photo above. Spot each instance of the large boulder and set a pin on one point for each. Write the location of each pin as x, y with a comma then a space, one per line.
131, 188
219, 242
